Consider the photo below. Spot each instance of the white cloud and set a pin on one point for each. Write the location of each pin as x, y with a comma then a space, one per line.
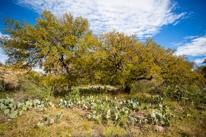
4, 35
190, 37
176, 23
3, 58
37, 69
178, 44
197, 47
197, 61
144, 17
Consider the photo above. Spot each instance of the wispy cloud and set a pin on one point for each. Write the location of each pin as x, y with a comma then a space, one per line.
197, 47
176, 23
179, 44
144, 17
198, 61
191, 37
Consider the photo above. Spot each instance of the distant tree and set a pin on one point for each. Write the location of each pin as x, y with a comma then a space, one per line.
58, 44
204, 61
124, 59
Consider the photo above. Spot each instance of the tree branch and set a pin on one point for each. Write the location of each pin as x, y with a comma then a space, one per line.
141, 78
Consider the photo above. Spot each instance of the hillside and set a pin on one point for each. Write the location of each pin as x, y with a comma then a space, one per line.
29, 109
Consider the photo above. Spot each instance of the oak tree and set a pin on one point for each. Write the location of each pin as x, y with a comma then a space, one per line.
57, 44
125, 59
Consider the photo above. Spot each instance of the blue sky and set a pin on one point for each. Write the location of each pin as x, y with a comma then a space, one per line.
176, 24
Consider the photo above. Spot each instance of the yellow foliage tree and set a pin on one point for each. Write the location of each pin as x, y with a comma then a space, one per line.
69, 52
58, 44
125, 59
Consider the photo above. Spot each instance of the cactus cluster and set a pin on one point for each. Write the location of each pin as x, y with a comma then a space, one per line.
159, 117
157, 100
105, 109
49, 120
12, 109
119, 110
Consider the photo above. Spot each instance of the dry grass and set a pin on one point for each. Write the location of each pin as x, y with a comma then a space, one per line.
74, 122
26, 125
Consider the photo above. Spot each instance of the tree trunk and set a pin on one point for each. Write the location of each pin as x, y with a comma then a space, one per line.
127, 90
69, 88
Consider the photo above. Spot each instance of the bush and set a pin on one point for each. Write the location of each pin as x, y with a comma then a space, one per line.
31, 83
33, 76
179, 93
193, 89
2, 85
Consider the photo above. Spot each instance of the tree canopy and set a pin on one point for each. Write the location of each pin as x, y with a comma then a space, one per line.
125, 59
58, 44
69, 52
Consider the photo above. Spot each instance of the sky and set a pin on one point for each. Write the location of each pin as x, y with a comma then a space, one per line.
175, 24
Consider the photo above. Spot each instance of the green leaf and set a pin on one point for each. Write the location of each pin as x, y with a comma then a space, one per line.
156, 127
146, 107
24, 108
58, 121
188, 115
13, 115
153, 115
140, 103
94, 117
6, 111
52, 120
168, 124
89, 116
11, 100
145, 120
116, 116
11, 106
108, 114
19, 105
20, 113
61, 115
162, 122
7, 101
46, 123
2, 106
40, 124
27, 103
131, 118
